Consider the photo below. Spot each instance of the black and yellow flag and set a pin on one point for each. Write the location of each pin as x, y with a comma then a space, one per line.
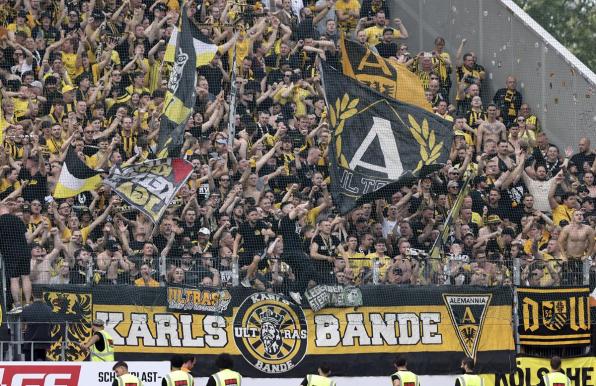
180, 97
204, 48
377, 141
388, 77
75, 177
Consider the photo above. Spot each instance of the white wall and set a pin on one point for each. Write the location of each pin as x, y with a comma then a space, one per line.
438, 380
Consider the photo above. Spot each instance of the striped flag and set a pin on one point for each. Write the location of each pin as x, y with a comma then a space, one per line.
76, 177
203, 47
180, 97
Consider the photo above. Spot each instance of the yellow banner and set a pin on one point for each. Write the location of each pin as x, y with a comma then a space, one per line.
329, 331
529, 372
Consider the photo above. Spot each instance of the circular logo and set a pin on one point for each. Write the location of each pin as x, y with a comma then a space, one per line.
271, 332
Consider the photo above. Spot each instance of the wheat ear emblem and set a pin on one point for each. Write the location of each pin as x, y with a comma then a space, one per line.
430, 150
344, 109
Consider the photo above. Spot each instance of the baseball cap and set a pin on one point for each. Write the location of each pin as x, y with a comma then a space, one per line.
221, 141
161, 7
452, 183
112, 246
493, 219
204, 231
97, 322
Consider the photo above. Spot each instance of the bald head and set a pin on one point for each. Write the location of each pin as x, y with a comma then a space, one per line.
584, 145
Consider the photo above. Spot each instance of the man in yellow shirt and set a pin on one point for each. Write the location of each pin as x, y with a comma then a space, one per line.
374, 34
564, 211
348, 12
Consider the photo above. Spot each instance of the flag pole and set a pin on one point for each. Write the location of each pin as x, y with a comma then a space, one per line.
233, 92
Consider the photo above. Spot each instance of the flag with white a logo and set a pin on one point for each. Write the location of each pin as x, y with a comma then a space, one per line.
377, 141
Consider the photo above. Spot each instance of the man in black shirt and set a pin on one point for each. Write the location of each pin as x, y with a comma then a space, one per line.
294, 256
387, 47
16, 255
37, 322
323, 251
253, 234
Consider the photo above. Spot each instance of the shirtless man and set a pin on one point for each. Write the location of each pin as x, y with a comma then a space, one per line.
576, 242
491, 128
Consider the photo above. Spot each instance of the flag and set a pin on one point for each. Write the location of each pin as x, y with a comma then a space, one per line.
180, 97
389, 77
376, 140
76, 177
150, 186
202, 46
435, 251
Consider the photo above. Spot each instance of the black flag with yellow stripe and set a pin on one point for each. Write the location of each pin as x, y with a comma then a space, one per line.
387, 76
377, 141
180, 97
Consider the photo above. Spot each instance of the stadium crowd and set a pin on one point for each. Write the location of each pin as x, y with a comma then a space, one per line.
91, 74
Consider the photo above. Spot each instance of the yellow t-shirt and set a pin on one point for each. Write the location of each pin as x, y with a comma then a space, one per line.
561, 212
70, 63
374, 34
345, 6
14, 28
67, 233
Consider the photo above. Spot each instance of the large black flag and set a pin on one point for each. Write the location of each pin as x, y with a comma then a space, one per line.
180, 97
377, 141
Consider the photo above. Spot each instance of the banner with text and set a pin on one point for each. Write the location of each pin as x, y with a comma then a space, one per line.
78, 373
529, 372
270, 336
199, 300
150, 186
554, 316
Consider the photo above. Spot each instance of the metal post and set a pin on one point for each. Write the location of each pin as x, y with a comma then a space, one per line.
516, 272
515, 319
586, 265
65, 341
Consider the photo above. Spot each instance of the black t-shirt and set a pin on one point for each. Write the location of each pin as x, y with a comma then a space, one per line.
213, 76
37, 189
13, 244
100, 345
38, 317
191, 231
387, 49
252, 236
290, 231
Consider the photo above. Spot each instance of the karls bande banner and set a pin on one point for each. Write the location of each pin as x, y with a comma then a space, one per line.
150, 186
270, 336
554, 316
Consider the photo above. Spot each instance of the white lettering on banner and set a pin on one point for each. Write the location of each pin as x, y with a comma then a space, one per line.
167, 326
355, 329
327, 331
430, 328
381, 128
170, 331
387, 329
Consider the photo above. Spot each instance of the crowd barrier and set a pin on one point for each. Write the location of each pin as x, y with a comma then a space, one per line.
270, 336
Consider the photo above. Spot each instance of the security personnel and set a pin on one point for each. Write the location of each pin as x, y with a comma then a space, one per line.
469, 378
225, 376
322, 379
180, 374
123, 377
403, 376
556, 375
100, 345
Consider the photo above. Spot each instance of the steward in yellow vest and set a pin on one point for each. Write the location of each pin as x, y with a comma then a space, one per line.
123, 378
468, 378
556, 377
403, 377
180, 374
320, 379
100, 345
225, 376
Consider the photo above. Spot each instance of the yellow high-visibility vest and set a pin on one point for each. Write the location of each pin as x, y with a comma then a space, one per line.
556, 379
128, 380
179, 378
227, 377
406, 378
317, 380
470, 380
107, 355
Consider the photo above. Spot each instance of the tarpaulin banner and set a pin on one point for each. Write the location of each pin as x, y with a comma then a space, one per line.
322, 296
150, 186
78, 373
270, 336
554, 316
529, 372
199, 300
